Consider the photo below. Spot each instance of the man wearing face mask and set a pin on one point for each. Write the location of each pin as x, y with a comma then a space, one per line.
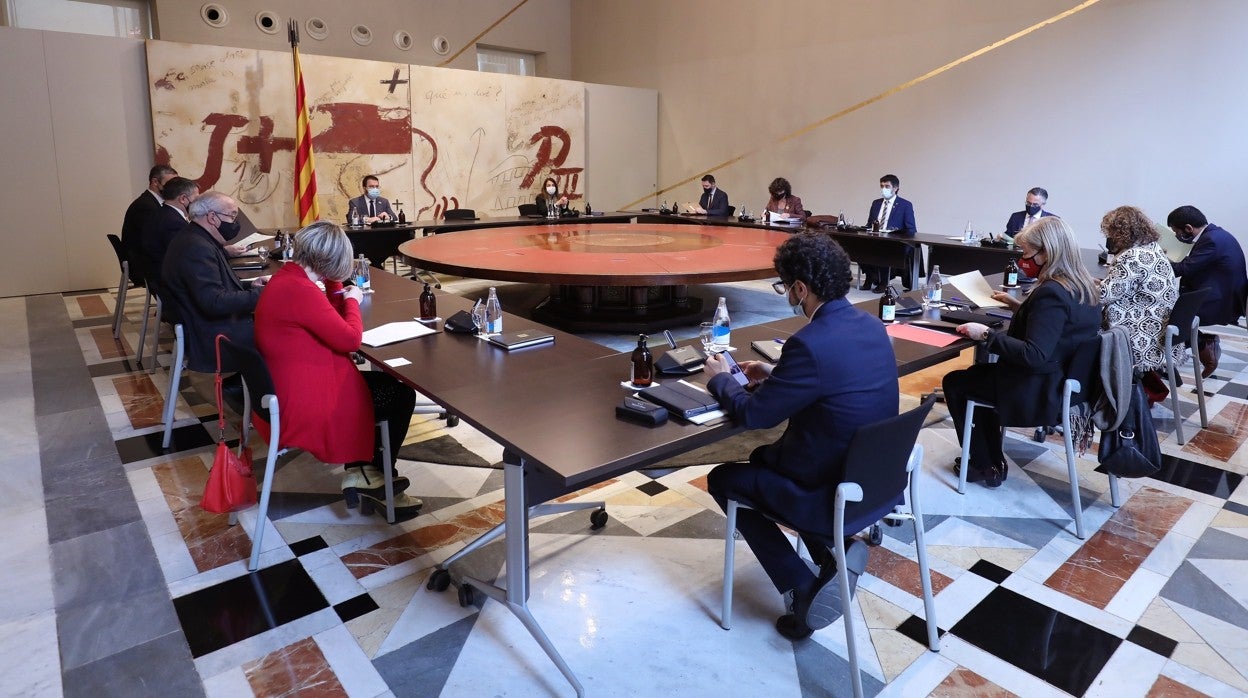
370, 205
1216, 263
205, 292
889, 213
714, 201
836, 374
168, 221
1033, 210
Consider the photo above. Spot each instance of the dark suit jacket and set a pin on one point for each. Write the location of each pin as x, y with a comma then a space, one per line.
836, 374
900, 219
137, 214
361, 204
1015, 223
541, 203
208, 296
1216, 262
714, 202
1045, 333
164, 224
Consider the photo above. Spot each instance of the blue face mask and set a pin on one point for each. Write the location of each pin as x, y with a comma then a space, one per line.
797, 307
374, 192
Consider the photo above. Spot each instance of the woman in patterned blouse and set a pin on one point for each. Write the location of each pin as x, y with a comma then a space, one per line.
1139, 291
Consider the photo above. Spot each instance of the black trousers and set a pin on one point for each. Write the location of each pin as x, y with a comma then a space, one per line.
394, 402
975, 383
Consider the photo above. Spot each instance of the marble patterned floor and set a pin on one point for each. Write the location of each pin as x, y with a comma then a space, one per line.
116, 583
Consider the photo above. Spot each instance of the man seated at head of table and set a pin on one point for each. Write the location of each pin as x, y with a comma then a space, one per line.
1216, 262
783, 202
714, 201
889, 213
836, 374
207, 296
164, 224
329, 407
1033, 210
370, 205
143, 208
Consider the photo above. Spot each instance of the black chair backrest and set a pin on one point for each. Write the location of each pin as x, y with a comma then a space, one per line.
135, 274
254, 370
459, 214
1186, 308
877, 456
117, 248
732, 210
530, 210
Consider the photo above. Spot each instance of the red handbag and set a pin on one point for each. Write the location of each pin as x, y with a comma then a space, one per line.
231, 484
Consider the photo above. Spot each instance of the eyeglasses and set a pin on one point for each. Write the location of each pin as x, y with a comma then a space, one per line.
229, 216
780, 287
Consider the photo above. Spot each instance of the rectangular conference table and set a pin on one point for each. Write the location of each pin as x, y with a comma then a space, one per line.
551, 407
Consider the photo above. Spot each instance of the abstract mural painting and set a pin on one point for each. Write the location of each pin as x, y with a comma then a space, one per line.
438, 138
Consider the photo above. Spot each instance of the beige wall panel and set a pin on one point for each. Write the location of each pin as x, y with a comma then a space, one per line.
1123, 102
539, 26
622, 153
103, 145
33, 229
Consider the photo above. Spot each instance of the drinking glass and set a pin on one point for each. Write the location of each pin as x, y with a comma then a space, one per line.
263, 252
478, 317
706, 334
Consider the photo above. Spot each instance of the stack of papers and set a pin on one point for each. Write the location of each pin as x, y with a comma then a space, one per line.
975, 288
254, 239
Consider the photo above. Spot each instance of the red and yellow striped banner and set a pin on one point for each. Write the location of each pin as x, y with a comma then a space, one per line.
307, 208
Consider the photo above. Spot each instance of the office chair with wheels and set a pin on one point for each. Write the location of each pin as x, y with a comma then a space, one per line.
257, 381
1080, 374
130, 275
881, 467
1183, 319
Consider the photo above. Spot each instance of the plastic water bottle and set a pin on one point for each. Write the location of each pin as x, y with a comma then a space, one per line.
721, 331
355, 217
288, 247
362, 275
840, 220
493, 313
931, 292
968, 236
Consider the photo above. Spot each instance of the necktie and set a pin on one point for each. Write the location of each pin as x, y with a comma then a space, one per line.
884, 211
372, 211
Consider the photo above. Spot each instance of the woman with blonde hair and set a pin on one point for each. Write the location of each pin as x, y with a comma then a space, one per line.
1025, 384
329, 407
1139, 291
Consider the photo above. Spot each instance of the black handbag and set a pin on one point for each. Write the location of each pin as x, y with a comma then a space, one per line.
1132, 450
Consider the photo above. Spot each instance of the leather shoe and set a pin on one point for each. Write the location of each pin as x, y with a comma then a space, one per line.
990, 478
820, 604
866, 285
1209, 355
878, 288
369, 481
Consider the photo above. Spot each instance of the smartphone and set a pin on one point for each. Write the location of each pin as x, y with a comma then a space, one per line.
734, 368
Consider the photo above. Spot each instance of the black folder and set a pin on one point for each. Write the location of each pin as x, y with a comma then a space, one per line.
520, 340
681, 400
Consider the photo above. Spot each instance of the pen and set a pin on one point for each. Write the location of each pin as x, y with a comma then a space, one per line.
995, 313
777, 340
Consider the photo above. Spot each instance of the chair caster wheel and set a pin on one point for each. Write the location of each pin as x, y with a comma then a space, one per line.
465, 595
876, 536
452, 420
597, 519
1039, 435
440, 580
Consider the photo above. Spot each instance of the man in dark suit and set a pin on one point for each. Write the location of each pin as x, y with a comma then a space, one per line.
207, 295
714, 201
370, 205
836, 374
1033, 210
168, 221
142, 208
1216, 262
889, 213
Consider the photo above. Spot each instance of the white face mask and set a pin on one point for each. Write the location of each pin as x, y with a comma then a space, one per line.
551, 190
886, 192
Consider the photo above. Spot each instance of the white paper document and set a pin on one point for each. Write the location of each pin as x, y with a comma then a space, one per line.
253, 239
392, 332
975, 287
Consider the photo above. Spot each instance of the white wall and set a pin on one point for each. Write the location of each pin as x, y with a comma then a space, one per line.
76, 151
1127, 101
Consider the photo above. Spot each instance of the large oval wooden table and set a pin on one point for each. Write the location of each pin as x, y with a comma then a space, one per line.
606, 276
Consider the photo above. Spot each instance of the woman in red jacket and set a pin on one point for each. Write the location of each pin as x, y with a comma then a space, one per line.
329, 407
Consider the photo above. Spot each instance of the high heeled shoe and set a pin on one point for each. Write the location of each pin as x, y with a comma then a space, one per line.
368, 480
405, 508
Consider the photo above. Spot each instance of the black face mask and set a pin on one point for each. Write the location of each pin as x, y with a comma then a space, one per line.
1032, 209
1185, 236
777, 195
229, 230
